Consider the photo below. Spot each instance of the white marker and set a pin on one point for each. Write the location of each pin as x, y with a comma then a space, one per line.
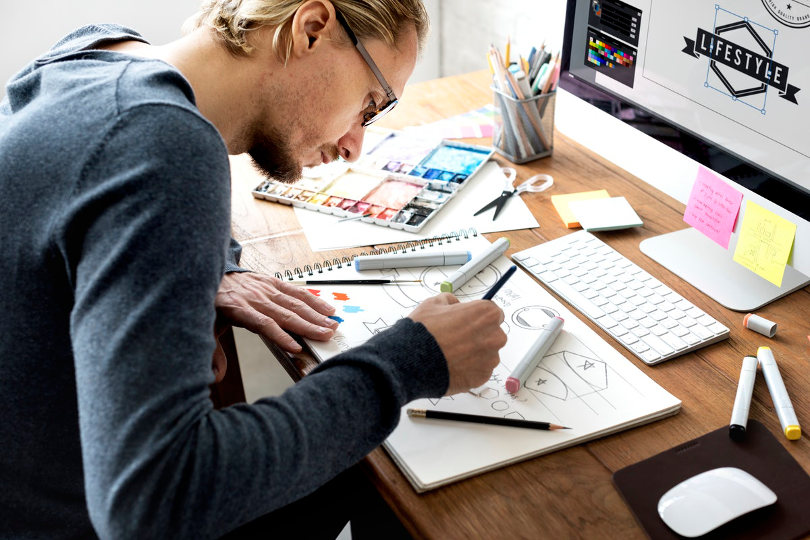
410, 260
779, 395
533, 356
461, 276
745, 389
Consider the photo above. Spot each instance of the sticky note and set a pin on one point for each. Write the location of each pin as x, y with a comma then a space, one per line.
560, 203
605, 214
765, 242
713, 207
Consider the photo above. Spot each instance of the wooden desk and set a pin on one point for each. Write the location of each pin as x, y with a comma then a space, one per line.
567, 493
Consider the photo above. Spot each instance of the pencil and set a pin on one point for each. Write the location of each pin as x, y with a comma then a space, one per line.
351, 281
495, 420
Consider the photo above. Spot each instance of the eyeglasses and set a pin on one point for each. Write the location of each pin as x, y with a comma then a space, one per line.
370, 116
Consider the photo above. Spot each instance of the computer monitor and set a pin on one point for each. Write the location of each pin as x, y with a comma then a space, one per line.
723, 85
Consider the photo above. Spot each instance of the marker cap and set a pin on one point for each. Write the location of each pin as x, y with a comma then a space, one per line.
736, 432
512, 385
793, 433
760, 325
446, 286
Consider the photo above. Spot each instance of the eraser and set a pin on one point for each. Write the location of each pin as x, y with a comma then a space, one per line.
760, 325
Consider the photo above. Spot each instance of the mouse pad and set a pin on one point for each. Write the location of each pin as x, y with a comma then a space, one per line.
760, 454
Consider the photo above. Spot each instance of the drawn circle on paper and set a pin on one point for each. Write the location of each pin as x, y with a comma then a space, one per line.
788, 12
533, 317
500, 405
433, 277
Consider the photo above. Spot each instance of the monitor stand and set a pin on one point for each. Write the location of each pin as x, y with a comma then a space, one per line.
702, 263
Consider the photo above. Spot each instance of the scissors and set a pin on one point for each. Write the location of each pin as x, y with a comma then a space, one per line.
531, 185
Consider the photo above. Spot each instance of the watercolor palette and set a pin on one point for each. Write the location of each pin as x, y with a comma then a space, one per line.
401, 182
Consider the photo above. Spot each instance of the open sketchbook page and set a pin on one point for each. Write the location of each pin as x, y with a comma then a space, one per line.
582, 382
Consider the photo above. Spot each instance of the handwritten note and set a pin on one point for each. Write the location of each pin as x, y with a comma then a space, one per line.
765, 243
713, 207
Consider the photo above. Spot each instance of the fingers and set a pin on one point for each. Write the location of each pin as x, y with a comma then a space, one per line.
469, 334
319, 305
270, 307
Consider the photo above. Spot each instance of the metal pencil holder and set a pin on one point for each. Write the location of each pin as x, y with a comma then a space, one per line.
524, 128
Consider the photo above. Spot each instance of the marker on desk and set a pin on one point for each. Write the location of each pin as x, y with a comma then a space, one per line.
410, 260
533, 356
742, 402
779, 395
498, 284
461, 276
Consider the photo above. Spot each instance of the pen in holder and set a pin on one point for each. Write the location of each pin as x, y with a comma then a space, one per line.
524, 128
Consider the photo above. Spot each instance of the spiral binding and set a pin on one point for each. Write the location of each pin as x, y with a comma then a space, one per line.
326, 265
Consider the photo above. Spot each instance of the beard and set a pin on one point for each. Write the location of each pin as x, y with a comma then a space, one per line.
273, 157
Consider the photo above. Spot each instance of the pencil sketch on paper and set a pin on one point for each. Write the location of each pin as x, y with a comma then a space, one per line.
408, 296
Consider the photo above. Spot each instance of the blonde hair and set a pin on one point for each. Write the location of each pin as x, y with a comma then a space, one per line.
233, 20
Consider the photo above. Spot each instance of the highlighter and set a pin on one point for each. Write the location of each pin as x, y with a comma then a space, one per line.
461, 276
779, 395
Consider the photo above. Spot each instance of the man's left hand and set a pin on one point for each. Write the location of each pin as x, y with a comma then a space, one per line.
268, 306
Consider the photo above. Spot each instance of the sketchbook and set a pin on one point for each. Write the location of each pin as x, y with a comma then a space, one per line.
582, 382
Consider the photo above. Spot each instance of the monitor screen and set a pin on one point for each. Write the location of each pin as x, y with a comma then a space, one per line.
719, 82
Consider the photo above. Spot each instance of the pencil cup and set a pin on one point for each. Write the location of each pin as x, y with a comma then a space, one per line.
524, 128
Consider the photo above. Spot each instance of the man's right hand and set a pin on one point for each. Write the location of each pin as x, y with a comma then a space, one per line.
469, 335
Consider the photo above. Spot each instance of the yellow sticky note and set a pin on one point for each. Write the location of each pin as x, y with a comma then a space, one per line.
560, 203
765, 243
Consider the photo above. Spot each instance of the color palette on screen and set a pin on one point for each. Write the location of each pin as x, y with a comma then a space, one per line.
386, 191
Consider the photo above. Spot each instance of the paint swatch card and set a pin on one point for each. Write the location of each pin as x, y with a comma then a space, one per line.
765, 242
561, 203
605, 214
713, 207
402, 182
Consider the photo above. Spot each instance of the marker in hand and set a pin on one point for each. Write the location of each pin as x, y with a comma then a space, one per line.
534, 355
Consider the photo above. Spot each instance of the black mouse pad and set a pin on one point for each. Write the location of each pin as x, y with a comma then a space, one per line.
760, 454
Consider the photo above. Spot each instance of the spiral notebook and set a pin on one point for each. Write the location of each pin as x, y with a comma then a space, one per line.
582, 382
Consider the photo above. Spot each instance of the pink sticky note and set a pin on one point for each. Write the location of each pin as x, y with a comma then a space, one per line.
713, 207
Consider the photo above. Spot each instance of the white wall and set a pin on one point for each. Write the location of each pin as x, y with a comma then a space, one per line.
468, 27
31, 28
38, 24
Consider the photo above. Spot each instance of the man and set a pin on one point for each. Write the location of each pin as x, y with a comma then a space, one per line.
115, 223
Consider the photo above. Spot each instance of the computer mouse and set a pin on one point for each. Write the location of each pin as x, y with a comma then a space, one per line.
710, 499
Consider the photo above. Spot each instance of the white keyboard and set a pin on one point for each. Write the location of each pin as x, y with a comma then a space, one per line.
651, 320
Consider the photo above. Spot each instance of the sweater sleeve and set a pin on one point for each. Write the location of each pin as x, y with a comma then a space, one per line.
144, 240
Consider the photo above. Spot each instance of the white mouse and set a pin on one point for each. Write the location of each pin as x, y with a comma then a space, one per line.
707, 500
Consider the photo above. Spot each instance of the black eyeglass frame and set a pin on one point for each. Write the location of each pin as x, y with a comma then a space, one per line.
389, 92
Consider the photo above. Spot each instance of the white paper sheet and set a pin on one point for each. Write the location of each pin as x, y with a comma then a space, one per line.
324, 232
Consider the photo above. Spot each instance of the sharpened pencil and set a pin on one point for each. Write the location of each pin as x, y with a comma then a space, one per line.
351, 281
495, 420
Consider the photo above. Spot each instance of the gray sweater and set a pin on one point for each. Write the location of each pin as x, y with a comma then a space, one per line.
114, 227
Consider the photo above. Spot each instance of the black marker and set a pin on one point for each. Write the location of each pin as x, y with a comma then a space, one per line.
745, 389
